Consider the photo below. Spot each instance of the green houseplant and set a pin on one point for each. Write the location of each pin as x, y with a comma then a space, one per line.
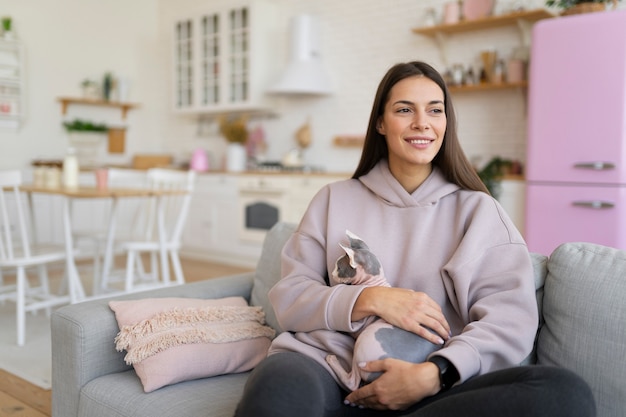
78, 125
580, 6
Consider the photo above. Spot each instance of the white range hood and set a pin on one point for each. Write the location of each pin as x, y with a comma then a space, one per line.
305, 73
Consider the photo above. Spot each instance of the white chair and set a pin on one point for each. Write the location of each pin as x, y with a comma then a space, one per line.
164, 219
129, 225
18, 253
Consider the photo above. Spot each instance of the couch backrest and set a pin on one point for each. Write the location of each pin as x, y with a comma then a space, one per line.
584, 313
268, 270
539, 271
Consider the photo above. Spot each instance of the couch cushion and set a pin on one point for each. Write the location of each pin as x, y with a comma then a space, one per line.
584, 316
170, 340
268, 270
540, 270
121, 395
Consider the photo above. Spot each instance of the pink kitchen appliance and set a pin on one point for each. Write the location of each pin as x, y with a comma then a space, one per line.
576, 161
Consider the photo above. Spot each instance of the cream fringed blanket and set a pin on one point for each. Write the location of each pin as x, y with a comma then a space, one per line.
177, 326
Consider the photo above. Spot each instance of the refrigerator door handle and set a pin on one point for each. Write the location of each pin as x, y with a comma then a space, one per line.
594, 204
597, 165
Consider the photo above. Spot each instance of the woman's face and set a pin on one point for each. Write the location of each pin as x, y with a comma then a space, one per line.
414, 124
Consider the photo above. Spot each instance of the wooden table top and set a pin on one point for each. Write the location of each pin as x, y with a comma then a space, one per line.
93, 192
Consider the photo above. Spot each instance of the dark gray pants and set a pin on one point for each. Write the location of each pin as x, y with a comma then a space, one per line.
293, 385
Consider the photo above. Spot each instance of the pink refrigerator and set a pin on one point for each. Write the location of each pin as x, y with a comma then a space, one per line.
576, 161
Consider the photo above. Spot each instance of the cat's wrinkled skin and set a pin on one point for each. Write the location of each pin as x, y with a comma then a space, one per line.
378, 339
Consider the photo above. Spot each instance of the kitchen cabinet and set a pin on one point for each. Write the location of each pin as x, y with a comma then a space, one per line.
522, 19
211, 230
11, 84
222, 58
214, 227
513, 200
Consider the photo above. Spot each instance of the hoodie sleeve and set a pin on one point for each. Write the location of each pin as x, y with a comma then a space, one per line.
302, 299
493, 292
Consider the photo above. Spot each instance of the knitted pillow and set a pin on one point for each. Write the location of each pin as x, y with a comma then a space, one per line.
169, 340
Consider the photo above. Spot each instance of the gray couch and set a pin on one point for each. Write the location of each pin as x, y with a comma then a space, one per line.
581, 291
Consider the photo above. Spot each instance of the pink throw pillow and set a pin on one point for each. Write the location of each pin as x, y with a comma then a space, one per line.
170, 340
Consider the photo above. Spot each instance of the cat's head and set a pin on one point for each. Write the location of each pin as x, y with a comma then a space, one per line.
357, 264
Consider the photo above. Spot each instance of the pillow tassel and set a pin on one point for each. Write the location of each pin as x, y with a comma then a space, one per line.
176, 327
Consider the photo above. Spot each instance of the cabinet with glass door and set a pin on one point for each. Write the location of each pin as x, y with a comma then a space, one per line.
221, 59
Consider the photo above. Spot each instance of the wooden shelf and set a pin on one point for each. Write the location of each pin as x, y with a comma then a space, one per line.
489, 22
349, 141
66, 101
487, 87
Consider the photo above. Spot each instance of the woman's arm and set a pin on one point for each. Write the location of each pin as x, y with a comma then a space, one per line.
407, 309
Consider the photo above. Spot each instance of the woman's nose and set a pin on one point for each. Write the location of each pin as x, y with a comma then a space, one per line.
419, 121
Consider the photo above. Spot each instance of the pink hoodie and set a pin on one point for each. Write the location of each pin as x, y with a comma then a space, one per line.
458, 246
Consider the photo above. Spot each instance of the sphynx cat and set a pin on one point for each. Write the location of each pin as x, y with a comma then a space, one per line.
378, 339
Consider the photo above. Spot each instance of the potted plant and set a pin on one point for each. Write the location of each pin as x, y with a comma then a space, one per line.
90, 89
7, 25
491, 175
236, 134
86, 137
78, 125
580, 6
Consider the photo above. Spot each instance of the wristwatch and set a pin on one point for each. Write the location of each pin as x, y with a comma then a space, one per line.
448, 375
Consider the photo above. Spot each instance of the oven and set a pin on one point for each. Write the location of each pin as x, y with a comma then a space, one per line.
263, 201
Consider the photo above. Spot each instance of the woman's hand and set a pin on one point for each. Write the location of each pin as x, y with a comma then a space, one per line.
401, 385
412, 311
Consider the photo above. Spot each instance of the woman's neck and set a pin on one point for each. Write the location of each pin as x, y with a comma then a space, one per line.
411, 177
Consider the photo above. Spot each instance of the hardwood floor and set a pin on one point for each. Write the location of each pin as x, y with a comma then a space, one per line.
19, 398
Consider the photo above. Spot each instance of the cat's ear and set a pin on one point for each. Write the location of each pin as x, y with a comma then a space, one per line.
355, 241
352, 235
350, 253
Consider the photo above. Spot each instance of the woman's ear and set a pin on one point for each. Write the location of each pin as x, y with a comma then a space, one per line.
379, 126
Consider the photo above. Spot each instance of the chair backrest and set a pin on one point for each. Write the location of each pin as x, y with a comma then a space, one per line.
14, 235
176, 206
132, 219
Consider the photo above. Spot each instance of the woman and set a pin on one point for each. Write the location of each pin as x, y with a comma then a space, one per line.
456, 264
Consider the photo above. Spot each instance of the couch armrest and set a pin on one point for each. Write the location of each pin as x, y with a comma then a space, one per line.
83, 333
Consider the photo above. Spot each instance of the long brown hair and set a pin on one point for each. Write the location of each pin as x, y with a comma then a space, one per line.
451, 159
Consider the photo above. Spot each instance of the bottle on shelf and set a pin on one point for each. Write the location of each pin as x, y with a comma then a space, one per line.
70, 169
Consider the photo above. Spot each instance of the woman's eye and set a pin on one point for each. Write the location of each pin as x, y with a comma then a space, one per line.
403, 110
437, 110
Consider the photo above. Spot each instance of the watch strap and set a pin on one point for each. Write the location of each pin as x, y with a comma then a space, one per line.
448, 375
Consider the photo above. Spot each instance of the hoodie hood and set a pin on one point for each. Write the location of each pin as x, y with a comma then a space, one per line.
382, 183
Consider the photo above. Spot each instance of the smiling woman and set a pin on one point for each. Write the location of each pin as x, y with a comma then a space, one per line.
458, 272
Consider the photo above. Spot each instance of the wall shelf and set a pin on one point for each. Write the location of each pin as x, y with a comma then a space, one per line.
12, 80
349, 141
487, 87
489, 22
116, 135
66, 101
524, 20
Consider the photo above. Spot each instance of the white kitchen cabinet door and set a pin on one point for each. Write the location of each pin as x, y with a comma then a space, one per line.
223, 60
212, 224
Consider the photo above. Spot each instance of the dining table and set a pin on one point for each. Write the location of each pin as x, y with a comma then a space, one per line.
68, 194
